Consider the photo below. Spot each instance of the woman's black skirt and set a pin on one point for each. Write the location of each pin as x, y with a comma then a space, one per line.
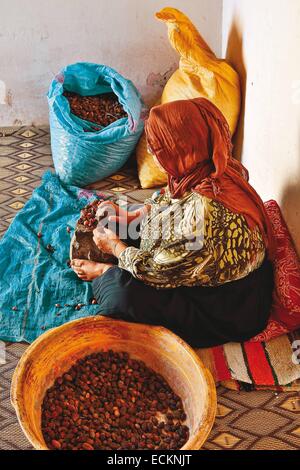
203, 316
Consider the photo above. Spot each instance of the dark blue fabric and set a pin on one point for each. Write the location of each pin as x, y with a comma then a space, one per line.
32, 278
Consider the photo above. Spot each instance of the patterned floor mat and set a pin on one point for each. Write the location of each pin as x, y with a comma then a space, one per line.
255, 420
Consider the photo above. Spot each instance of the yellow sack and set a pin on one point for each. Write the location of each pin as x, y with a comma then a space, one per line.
200, 74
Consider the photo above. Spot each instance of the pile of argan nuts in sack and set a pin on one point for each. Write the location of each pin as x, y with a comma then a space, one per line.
101, 109
109, 401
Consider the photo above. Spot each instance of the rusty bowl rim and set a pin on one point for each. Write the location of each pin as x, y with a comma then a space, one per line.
208, 418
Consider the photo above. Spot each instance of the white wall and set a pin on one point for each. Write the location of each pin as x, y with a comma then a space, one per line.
39, 37
261, 39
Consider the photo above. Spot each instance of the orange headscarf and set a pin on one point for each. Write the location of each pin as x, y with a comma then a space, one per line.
192, 142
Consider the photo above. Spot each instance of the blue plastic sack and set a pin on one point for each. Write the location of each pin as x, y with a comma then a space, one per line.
33, 279
82, 155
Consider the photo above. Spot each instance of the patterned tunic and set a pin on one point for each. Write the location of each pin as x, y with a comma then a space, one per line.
192, 241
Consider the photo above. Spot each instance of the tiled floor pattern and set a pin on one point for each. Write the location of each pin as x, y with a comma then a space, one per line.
255, 420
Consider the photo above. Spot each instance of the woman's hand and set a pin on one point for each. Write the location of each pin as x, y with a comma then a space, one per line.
108, 242
115, 213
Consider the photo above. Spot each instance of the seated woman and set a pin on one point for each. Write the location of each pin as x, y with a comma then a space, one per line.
203, 265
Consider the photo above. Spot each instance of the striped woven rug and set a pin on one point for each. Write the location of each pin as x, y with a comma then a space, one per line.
271, 364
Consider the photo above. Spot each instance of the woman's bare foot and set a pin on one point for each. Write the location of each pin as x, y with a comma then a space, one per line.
88, 270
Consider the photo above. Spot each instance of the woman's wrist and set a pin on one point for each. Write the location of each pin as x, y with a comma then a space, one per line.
118, 248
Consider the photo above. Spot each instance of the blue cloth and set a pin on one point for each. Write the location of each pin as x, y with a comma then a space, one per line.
82, 156
32, 278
